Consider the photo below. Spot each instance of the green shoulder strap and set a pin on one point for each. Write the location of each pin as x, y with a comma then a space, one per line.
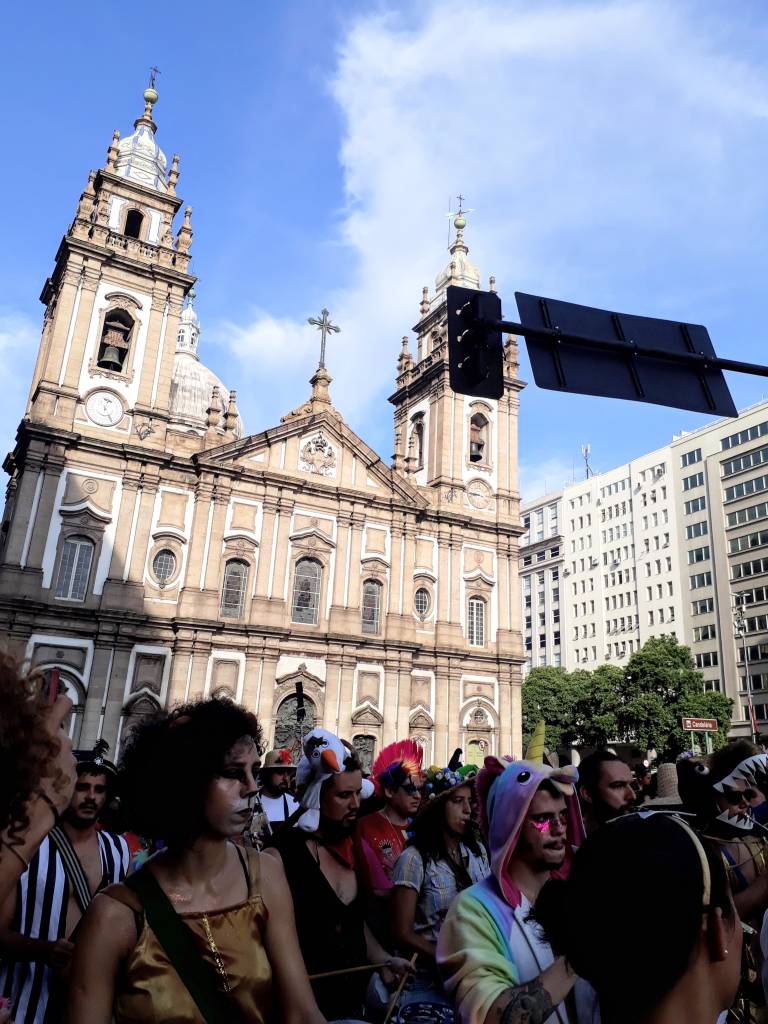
186, 959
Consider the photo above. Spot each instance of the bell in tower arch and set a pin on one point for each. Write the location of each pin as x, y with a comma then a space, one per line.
115, 341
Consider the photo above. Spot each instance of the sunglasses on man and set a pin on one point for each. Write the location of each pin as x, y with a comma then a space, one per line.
410, 788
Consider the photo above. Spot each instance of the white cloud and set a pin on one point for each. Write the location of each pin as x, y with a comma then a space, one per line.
605, 147
546, 476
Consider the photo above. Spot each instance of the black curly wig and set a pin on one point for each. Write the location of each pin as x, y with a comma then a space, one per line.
169, 762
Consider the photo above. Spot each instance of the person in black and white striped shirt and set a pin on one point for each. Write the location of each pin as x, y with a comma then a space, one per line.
38, 920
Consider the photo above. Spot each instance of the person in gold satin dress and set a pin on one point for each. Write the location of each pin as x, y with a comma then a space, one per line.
189, 779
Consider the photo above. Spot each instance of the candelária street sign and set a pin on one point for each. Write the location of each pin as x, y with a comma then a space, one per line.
700, 724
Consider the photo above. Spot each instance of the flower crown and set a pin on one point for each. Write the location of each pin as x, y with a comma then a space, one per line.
439, 781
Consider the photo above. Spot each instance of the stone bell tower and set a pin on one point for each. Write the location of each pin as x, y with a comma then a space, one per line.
463, 449
115, 296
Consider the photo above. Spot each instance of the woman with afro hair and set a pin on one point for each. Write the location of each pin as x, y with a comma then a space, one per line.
188, 779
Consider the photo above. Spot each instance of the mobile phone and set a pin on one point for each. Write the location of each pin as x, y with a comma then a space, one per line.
53, 687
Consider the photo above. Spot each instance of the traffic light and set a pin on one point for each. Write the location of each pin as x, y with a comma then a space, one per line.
475, 351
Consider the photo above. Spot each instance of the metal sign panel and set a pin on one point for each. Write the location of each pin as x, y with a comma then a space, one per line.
699, 724
586, 356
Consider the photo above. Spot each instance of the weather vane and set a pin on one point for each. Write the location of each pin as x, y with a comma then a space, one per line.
457, 215
324, 325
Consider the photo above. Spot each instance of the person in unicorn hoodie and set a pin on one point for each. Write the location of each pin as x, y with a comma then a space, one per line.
492, 956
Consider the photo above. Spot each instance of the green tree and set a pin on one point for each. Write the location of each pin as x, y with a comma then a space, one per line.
548, 693
598, 712
642, 703
659, 687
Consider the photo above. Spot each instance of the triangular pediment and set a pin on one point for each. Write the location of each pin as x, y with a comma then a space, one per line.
318, 450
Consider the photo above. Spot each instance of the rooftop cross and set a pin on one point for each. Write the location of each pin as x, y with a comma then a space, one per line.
324, 325
153, 73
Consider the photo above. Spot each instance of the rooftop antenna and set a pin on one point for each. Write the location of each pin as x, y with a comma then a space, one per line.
585, 450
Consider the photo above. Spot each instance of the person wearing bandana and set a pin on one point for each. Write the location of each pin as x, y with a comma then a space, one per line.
319, 863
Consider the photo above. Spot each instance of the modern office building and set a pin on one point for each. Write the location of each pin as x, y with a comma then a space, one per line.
674, 541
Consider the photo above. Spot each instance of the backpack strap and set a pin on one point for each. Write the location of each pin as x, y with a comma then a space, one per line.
185, 957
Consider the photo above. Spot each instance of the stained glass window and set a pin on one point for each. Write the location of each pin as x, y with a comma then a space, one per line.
233, 591
371, 610
306, 591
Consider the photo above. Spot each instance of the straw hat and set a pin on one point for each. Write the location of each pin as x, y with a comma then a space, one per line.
667, 793
279, 760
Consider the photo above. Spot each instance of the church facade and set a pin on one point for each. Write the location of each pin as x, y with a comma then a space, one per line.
155, 552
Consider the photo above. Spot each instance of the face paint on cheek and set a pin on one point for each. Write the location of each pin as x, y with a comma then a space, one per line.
541, 827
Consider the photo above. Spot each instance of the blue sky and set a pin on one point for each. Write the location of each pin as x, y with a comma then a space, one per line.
614, 154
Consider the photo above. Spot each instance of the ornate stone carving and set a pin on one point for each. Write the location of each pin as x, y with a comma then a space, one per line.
318, 456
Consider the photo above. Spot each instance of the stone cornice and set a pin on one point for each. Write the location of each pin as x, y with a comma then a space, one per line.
149, 195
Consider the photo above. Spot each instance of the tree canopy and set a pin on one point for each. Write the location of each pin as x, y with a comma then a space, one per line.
640, 703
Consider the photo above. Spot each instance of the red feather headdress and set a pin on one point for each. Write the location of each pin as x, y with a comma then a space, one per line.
395, 763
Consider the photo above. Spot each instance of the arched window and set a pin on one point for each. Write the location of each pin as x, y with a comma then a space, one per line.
133, 221
418, 435
476, 621
74, 569
140, 710
289, 728
306, 591
371, 610
115, 340
478, 438
233, 591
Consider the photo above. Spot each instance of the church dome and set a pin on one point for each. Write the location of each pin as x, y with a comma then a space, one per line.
138, 156
192, 383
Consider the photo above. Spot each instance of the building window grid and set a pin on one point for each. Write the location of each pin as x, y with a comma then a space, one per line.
747, 515
74, 569
754, 568
692, 481
750, 434
748, 541
747, 487
305, 605
695, 505
164, 565
370, 611
233, 590
689, 458
701, 554
745, 462
476, 621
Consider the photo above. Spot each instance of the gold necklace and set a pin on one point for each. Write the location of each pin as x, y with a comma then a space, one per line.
217, 958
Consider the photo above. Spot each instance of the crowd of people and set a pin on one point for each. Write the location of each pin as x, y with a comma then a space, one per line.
199, 881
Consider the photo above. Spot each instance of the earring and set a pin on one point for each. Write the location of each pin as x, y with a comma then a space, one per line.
725, 952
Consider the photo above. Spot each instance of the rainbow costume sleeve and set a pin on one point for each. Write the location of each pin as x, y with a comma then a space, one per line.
473, 953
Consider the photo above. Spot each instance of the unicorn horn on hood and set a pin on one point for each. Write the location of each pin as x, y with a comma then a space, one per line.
535, 751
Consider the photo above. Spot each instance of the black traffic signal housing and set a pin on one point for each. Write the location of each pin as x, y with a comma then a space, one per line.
475, 350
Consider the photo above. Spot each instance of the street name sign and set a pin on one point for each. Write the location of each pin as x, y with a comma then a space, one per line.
700, 724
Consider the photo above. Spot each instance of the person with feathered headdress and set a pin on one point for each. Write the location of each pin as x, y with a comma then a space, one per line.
381, 836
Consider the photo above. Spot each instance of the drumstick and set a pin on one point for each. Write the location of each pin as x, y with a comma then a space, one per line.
395, 998
348, 970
